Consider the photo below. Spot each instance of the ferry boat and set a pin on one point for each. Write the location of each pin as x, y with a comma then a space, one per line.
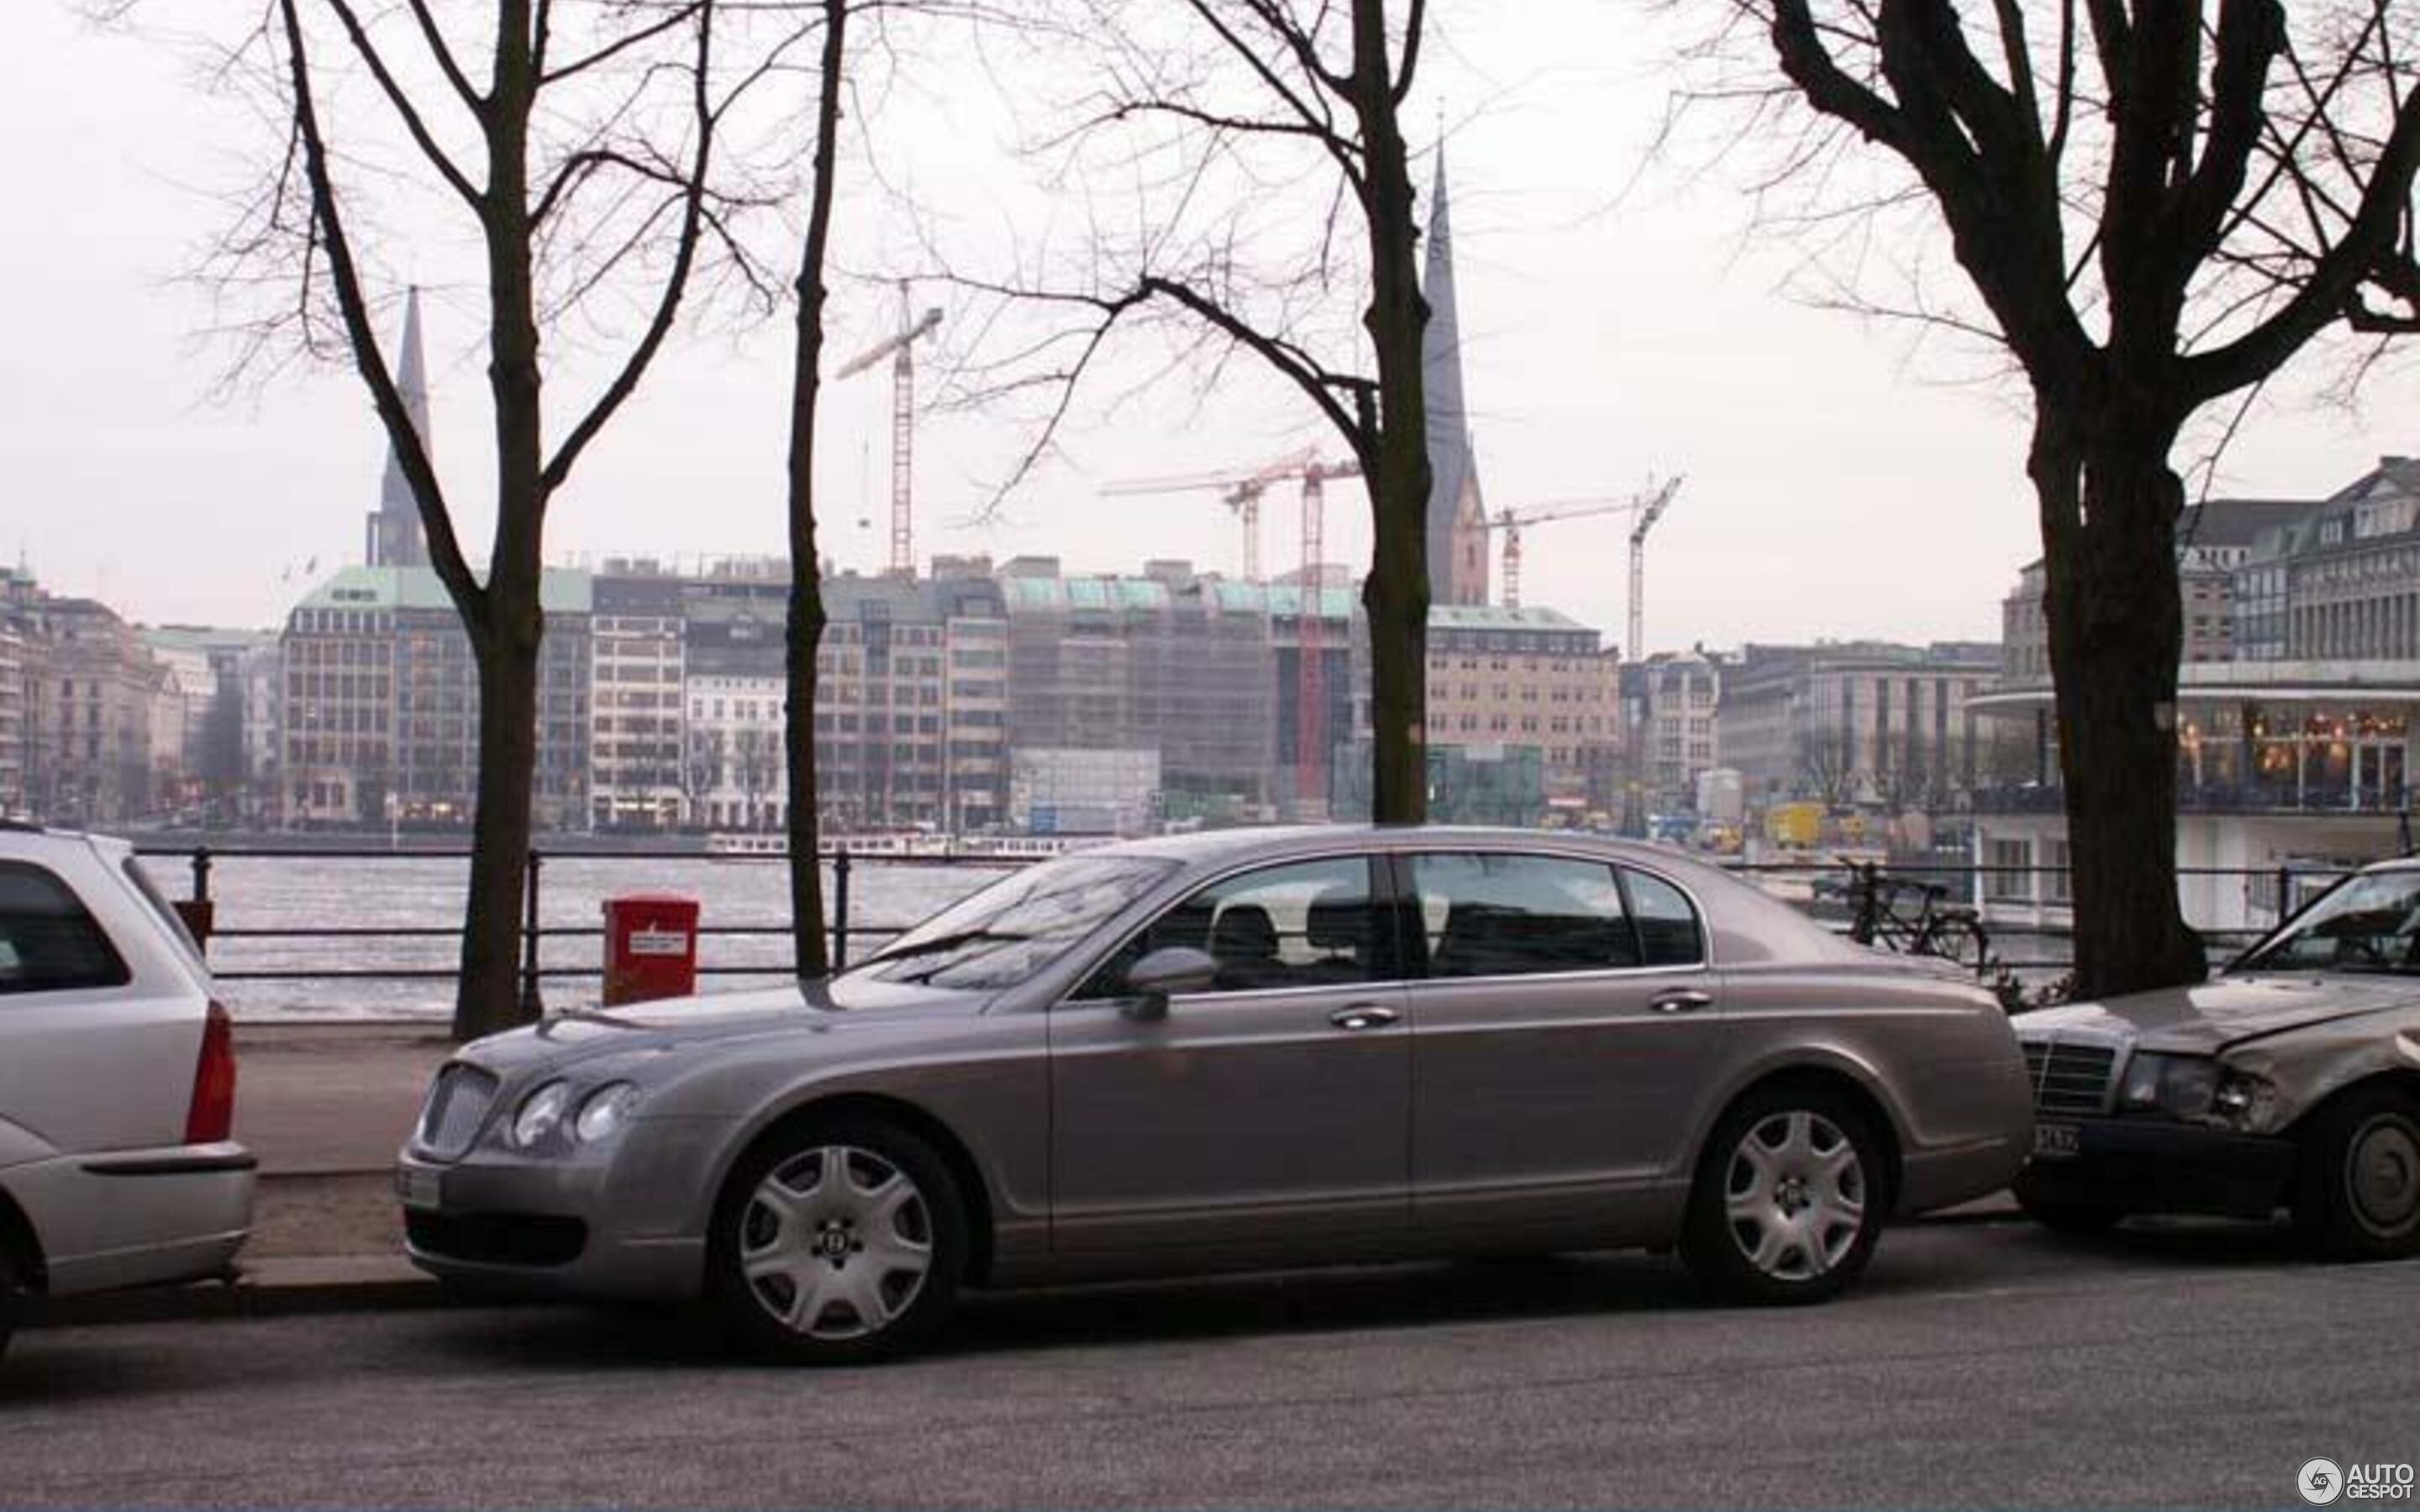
903, 845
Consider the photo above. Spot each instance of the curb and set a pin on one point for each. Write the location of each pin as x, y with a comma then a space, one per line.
305, 1286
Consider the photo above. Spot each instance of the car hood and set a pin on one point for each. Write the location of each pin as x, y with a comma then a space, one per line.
804, 1010
2232, 1011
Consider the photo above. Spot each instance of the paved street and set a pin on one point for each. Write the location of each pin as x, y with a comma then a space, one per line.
1984, 1365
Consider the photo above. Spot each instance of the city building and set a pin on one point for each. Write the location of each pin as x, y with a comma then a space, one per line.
95, 754
1676, 698
1861, 723
19, 664
1457, 514
1184, 665
381, 716
2294, 749
228, 684
1533, 678
636, 742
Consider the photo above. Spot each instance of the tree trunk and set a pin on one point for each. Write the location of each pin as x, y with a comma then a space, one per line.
1395, 596
806, 626
2109, 505
489, 999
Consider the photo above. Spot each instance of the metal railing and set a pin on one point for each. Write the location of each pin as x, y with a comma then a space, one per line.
1830, 892
201, 860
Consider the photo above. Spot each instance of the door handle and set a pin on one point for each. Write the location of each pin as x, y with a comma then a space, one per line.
1364, 1017
1683, 1000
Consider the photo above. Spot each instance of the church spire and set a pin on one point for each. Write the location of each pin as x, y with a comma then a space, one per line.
1457, 556
395, 534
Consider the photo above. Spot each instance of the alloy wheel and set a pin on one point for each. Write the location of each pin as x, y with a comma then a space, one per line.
1794, 1195
836, 1243
2381, 1174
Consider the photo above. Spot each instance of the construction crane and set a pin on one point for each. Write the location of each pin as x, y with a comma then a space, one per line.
1239, 491
900, 347
1310, 692
1648, 504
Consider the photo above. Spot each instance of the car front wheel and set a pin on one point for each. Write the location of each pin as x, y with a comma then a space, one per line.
1788, 1201
2357, 1194
838, 1242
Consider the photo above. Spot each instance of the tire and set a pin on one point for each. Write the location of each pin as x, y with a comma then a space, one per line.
837, 1242
1778, 1157
2357, 1191
1962, 940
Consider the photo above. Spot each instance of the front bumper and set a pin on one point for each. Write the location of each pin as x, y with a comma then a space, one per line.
2154, 1164
587, 1226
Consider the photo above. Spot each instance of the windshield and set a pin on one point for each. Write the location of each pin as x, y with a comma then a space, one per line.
2370, 923
1003, 935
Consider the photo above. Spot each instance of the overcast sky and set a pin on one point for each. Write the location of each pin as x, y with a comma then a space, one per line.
1841, 482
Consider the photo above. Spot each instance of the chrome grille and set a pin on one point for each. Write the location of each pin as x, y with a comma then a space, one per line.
457, 1104
2069, 1078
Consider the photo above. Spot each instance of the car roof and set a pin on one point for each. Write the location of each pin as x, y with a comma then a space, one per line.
1279, 840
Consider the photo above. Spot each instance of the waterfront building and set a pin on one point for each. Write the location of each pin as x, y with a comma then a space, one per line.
19, 666
636, 743
228, 683
1862, 722
2294, 750
1530, 678
92, 756
382, 708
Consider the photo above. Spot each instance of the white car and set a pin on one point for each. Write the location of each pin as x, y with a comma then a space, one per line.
117, 1167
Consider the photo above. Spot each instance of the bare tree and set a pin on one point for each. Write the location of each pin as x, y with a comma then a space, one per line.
582, 165
2155, 206
809, 943
1206, 101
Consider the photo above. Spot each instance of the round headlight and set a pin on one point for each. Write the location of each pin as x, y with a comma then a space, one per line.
539, 1113
607, 1109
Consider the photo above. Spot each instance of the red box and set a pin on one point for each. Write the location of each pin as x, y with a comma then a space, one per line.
650, 947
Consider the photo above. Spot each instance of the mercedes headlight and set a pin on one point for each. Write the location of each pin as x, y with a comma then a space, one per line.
605, 1111
2178, 1085
539, 1113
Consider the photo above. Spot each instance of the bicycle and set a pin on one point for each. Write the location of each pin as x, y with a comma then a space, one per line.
1908, 915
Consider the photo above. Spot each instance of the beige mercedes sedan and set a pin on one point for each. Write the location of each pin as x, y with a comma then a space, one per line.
1234, 1050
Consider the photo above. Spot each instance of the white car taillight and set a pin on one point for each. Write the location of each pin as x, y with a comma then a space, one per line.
211, 1117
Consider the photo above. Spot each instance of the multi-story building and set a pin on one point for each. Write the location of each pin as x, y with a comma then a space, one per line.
1184, 665
1529, 677
382, 711
19, 667
228, 682
2214, 540
1854, 722
636, 743
1676, 697
91, 757
2294, 749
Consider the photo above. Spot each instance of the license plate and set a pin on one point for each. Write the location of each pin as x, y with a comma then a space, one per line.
2055, 1141
419, 1188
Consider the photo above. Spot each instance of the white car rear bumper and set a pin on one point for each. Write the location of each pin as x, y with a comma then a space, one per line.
135, 1217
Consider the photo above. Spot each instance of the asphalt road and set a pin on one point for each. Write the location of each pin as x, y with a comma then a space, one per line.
1981, 1366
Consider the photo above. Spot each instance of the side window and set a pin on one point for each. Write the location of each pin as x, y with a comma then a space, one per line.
47, 942
1668, 934
1310, 924
1510, 916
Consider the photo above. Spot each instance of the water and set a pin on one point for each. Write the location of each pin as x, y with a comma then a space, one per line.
426, 892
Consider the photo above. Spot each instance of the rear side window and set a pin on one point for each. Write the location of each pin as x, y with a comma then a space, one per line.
47, 942
1668, 934
1514, 916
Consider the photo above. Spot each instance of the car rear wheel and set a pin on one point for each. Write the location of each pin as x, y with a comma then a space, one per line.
1788, 1201
2357, 1193
838, 1242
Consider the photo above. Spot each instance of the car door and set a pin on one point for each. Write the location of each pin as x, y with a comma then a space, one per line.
1565, 1022
1265, 1118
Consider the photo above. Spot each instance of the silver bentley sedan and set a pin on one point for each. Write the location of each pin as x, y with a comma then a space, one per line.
1233, 1050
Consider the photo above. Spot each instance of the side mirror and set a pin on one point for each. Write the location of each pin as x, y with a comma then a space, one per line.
1166, 972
